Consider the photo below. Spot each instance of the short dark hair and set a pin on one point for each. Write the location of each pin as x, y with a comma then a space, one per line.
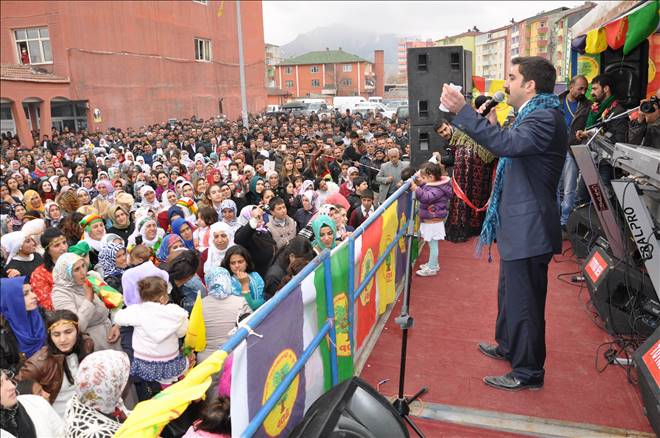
604, 80
183, 266
539, 70
367, 194
275, 202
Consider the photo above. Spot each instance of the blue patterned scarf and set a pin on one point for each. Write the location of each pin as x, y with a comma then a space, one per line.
492, 219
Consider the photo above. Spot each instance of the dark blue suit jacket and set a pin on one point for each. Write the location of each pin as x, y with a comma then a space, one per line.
529, 216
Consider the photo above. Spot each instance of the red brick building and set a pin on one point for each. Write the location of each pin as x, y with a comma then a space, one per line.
96, 64
330, 73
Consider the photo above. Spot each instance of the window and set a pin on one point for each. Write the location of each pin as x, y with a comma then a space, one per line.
202, 49
348, 68
33, 45
314, 69
288, 70
288, 84
347, 82
316, 83
201, 2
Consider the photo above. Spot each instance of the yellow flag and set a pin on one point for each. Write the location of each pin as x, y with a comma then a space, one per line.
150, 417
385, 278
196, 334
502, 110
596, 41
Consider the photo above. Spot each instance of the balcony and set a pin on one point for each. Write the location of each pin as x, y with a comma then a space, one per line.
543, 29
542, 43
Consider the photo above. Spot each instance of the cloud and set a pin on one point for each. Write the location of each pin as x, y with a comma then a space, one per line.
284, 20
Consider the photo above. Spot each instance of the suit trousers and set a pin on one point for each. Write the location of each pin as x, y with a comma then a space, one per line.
520, 326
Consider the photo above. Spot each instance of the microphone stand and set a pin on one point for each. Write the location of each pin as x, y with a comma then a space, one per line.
402, 403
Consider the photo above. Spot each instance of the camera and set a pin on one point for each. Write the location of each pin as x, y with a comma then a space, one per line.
651, 106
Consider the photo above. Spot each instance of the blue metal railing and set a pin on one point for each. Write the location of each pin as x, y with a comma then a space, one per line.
328, 328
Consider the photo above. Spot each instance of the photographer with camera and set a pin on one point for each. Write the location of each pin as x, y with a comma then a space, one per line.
644, 130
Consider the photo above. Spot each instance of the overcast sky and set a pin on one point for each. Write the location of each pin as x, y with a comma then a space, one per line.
284, 20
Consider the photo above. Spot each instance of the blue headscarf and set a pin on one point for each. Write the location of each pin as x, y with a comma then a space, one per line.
174, 210
28, 327
176, 229
164, 250
492, 219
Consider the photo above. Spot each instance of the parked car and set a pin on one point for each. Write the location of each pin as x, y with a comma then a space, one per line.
295, 108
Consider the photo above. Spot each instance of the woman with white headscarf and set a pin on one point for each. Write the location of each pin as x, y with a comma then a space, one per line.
148, 198
35, 228
72, 292
222, 238
146, 230
167, 199
97, 409
21, 253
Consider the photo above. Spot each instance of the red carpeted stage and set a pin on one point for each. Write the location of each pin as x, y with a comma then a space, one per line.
455, 310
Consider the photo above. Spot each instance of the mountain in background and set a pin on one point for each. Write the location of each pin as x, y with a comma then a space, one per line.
356, 41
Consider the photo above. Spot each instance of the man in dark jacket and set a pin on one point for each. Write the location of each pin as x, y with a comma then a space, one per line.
645, 130
526, 225
605, 107
575, 107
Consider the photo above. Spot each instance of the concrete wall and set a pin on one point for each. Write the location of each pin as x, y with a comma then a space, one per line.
135, 61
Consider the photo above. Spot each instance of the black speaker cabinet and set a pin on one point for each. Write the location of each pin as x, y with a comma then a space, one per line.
583, 228
352, 409
623, 295
428, 69
647, 361
423, 142
630, 73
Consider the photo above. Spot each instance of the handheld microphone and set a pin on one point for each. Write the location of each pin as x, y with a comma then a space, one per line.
492, 103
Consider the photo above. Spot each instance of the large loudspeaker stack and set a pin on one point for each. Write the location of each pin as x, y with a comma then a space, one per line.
630, 73
428, 69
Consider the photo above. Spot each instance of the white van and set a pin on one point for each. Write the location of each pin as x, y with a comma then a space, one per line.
376, 99
347, 102
364, 107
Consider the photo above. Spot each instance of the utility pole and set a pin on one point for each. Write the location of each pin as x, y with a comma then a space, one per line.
241, 62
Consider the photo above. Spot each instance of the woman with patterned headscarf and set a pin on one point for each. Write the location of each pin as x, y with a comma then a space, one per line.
113, 262
72, 292
221, 307
97, 408
171, 242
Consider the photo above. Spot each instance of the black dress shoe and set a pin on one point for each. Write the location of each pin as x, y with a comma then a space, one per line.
491, 351
509, 383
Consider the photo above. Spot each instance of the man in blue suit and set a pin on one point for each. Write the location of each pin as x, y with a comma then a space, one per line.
523, 215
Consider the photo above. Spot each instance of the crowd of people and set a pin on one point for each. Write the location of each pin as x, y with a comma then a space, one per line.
158, 214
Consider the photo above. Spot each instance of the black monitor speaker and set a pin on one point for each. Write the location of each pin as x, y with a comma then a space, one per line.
647, 361
428, 69
622, 294
426, 142
630, 73
583, 228
352, 409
